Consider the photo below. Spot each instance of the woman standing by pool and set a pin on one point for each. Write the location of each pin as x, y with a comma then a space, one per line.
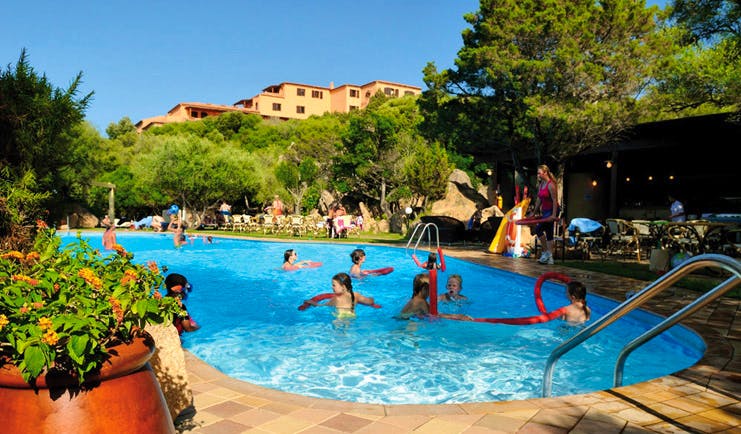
547, 204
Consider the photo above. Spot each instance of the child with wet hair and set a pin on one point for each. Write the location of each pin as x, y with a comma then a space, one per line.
345, 299
432, 262
178, 287
418, 305
577, 312
454, 288
358, 257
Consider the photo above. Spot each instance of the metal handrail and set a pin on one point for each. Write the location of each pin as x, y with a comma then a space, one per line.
425, 228
707, 260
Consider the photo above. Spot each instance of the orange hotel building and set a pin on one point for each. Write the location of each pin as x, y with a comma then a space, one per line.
287, 101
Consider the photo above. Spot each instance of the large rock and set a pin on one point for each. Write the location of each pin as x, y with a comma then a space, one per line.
461, 199
79, 217
369, 223
168, 365
325, 200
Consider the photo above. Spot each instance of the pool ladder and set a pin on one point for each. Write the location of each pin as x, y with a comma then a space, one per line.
425, 228
707, 260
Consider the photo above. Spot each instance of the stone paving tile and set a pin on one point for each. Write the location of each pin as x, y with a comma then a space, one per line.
556, 418
499, 422
285, 425
346, 422
224, 427
722, 415
536, 428
227, 409
702, 424
255, 417
381, 428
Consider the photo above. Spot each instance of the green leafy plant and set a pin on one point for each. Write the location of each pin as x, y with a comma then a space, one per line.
61, 309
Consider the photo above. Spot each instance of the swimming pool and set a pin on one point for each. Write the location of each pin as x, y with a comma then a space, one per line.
251, 329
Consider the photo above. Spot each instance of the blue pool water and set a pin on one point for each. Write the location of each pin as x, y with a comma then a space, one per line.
252, 330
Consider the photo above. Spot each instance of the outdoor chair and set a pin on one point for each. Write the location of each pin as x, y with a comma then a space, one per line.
646, 235
585, 236
297, 225
227, 223
237, 222
622, 239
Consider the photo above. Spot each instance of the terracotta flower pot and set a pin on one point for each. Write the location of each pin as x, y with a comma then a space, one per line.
124, 397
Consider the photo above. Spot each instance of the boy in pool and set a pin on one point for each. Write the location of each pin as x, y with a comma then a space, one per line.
345, 299
177, 286
577, 312
418, 305
358, 257
454, 287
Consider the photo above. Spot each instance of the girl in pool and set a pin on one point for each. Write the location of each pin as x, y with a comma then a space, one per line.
577, 312
345, 299
454, 287
289, 261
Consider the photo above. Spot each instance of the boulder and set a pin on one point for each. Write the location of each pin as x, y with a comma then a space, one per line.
168, 365
325, 200
461, 199
369, 223
80, 217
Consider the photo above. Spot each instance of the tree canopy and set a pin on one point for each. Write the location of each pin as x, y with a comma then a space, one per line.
543, 78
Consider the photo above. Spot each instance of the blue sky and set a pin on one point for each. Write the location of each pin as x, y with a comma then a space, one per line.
143, 57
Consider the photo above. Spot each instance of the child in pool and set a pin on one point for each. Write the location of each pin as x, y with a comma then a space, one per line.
289, 261
345, 299
358, 257
177, 286
454, 287
418, 305
577, 312
432, 262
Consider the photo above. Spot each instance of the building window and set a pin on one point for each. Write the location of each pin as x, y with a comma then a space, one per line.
300, 92
354, 93
300, 109
353, 107
204, 114
276, 107
317, 94
194, 114
408, 92
390, 91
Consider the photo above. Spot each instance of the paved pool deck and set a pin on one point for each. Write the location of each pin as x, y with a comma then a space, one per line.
700, 399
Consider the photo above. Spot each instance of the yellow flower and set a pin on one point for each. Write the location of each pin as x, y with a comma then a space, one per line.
129, 276
90, 278
3, 321
45, 323
13, 254
153, 267
22, 278
50, 337
33, 256
119, 249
